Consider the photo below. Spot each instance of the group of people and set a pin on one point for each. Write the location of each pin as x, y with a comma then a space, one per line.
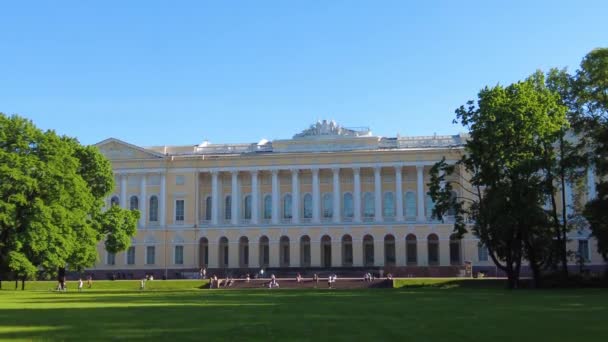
62, 284
331, 279
368, 277
217, 283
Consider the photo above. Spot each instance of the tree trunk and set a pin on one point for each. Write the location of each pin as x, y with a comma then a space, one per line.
23, 284
564, 226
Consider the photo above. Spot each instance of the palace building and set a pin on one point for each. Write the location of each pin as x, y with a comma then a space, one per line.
330, 197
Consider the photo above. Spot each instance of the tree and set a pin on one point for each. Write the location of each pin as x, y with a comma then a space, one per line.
591, 93
508, 129
51, 200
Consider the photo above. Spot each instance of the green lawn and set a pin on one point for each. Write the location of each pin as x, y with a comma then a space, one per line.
180, 310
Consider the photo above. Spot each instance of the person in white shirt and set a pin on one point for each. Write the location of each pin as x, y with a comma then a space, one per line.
80, 284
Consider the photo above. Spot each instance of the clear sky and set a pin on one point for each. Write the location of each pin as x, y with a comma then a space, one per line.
180, 72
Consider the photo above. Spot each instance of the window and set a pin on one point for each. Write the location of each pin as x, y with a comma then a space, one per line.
114, 200
307, 206
267, 207
179, 255
264, 252
453, 198
179, 210
388, 205
305, 251
284, 251
348, 205
368, 205
247, 211
223, 252
287, 206
583, 249
429, 205
153, 209
410, 204
328, 207
433, 248
150, 255
389, 250
111, 259
180, 180
131, 256
228, 208
208, 204
133, 203
455, 252
411, 249
482, 252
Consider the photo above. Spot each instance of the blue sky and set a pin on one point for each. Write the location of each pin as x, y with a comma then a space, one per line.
180, 72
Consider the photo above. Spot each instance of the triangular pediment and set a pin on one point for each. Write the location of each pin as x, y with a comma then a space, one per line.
115, 149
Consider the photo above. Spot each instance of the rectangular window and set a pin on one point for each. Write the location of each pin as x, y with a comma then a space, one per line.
153, 180
111, 259
179, 210
131, 256
583, 249
180, 180
150, 255
482, 252
179, 255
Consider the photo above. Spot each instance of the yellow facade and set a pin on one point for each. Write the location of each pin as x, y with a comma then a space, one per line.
177, 187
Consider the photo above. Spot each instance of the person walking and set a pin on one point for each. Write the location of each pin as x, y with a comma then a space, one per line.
80, 284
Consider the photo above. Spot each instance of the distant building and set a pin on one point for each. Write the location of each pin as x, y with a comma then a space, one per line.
330, 197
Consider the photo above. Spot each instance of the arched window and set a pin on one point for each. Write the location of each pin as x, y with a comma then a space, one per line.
326, 251
134, 203
348, 205
114, 200
228, 208
368, 205
410, 204
264, 251
247, 211
203, 252
267, 207
153, 209
328, 207
223, 252
452, 209
411, 250
388, 205
308, 206
305, 251
284, 251
433, 248
389, 250
243, 252
455, 250
368, 250
429, 206
287, 206
347, 250
208, 204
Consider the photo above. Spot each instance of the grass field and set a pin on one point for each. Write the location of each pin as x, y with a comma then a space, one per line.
178, 310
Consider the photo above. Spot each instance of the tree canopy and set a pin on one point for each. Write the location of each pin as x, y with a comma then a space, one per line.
52, 192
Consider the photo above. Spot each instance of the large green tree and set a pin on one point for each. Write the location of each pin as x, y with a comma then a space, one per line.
508, 130
52, 192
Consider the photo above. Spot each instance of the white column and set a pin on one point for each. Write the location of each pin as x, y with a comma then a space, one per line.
591, 190
214, 198
399, 192
337, 214
124, 201
163, 199
142, 201
569, 198
234, 198
357, 193
421, 217
316, 205
378, 195
255, 210
295, 197
197, 206
275, 197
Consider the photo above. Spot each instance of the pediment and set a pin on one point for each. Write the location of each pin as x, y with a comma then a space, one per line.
115, 149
